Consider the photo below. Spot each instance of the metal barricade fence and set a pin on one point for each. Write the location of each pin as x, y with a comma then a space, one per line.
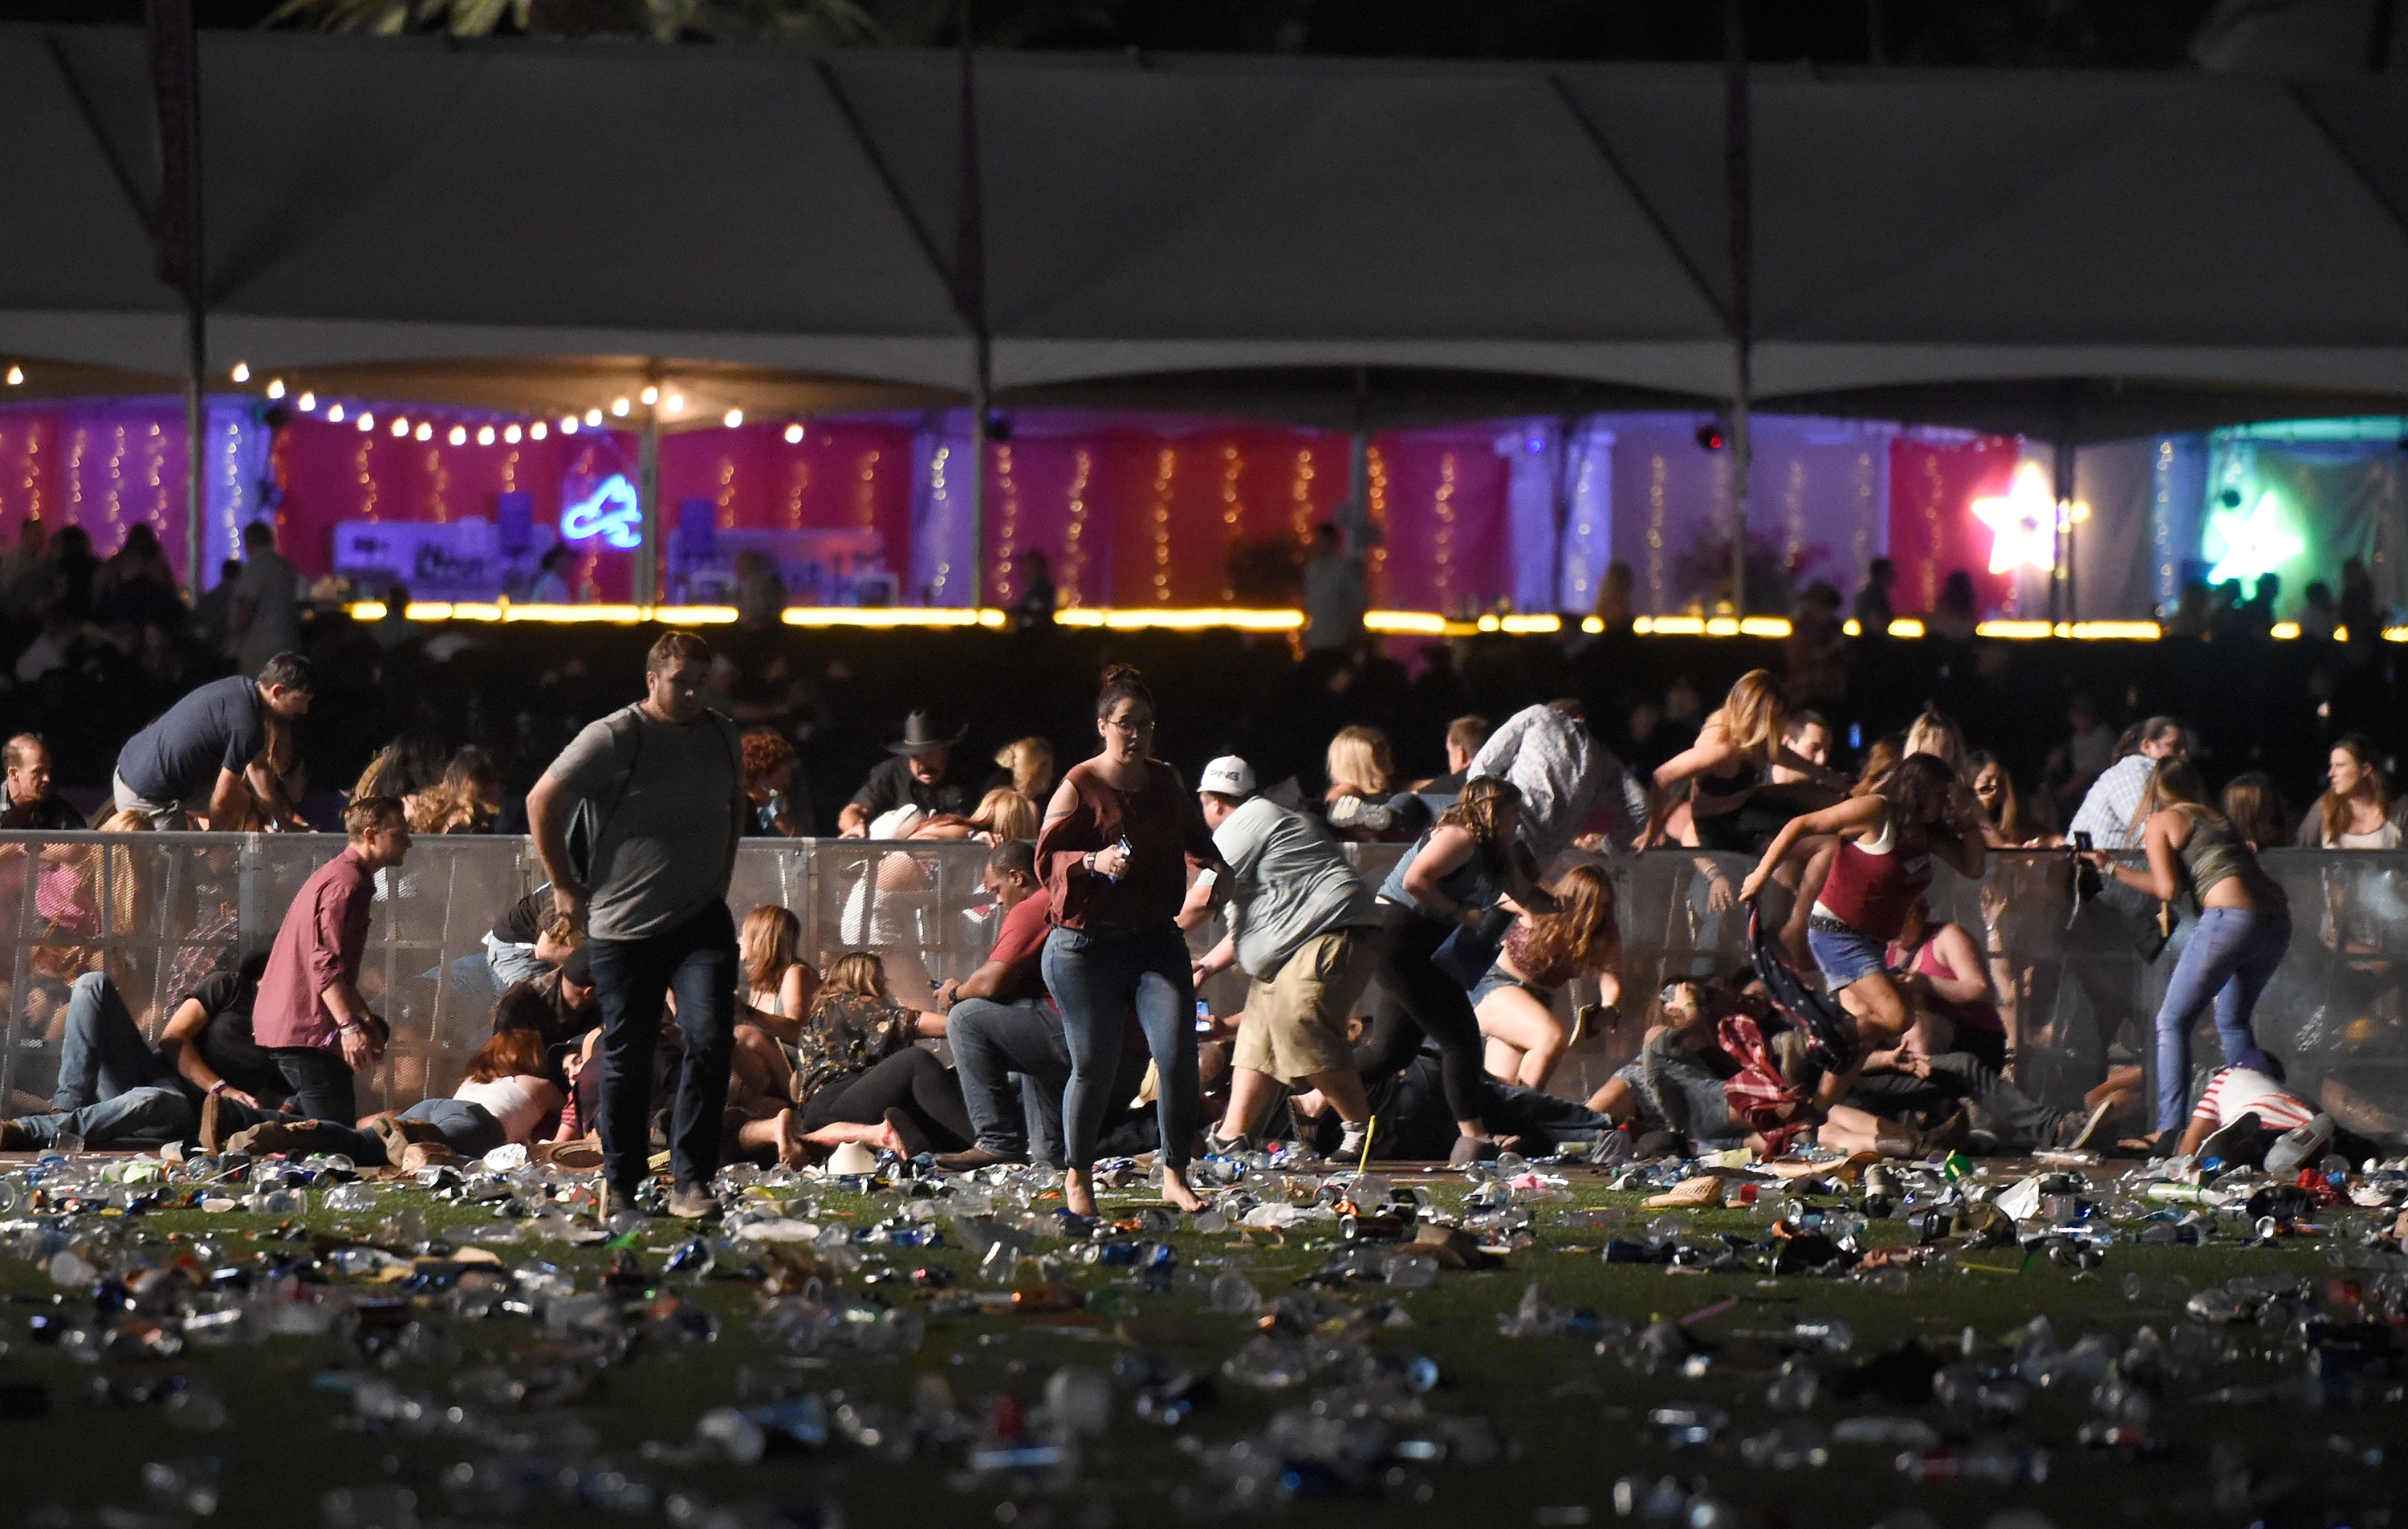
156, 911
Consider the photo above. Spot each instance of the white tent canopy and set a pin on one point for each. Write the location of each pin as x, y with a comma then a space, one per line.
2077, 255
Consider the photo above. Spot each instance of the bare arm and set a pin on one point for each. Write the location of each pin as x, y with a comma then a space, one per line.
179, 1047
1446, 848
1219, 959
230, 799
549, 806
1853, 817
853, 822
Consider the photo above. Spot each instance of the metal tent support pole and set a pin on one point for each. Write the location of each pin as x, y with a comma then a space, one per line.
970, 295
1741, 191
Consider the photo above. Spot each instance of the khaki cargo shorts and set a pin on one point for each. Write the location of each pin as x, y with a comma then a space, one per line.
1294, 1025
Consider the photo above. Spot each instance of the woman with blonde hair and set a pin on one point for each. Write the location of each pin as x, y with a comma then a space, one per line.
1543, 952
2244, 927
1027, 767
1362, 773
2357, 811
862, 1066
1733, 806
779, 984
1933, 734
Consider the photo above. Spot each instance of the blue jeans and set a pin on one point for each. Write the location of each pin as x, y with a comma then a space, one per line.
633, 978
147, 1115
2230, 958
469, 1128
101, 1053
511, 964
318, 1082
1100, 976
992, 1044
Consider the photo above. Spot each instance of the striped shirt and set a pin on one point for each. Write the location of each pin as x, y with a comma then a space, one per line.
2235, 1092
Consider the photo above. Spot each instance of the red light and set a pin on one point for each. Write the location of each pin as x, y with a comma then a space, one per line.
1710, 438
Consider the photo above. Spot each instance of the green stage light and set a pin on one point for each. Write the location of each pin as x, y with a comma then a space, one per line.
2247, 546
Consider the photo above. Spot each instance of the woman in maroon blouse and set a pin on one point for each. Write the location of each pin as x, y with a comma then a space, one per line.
1114, 850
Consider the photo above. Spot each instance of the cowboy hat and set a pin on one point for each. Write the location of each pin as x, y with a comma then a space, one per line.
922, 734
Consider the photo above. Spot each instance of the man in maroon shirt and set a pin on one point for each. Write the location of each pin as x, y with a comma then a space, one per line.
998, 1023
310, 1016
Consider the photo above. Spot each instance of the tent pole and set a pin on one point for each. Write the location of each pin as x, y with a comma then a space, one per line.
2060, 580
1742, 196
970, 295
648, 500
176, 90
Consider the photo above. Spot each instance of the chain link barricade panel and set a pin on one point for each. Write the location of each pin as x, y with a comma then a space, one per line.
157, 911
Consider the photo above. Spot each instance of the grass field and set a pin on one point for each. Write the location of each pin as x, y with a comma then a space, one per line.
548, 1406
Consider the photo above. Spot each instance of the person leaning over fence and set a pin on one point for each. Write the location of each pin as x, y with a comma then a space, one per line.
665, 782
206, 756
309, 1014
1306, 930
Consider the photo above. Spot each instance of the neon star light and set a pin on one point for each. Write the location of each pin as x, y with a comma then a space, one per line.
2024, 521
2251, 546
611, 512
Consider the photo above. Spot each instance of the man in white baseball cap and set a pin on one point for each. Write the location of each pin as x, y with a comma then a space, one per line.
1303, 926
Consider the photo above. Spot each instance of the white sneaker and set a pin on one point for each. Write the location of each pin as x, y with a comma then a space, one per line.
2298, 1149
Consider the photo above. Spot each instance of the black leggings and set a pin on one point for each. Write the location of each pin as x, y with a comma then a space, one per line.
1416, 999
912, 1080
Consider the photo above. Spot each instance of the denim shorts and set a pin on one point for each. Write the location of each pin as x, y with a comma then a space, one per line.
1845, 956
1496, 977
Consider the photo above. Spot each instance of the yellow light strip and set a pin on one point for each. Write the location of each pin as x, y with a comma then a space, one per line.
2395, 634
1142, 619
2286, 631
891, 615
2118, 631
1388, 622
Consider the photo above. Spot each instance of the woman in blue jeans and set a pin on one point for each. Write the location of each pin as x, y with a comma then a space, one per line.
1113, 851
2244, 926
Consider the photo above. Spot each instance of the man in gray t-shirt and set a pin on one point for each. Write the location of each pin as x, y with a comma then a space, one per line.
663, 781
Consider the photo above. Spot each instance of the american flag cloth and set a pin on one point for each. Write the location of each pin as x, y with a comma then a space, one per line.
1759, 1097
2235, 1092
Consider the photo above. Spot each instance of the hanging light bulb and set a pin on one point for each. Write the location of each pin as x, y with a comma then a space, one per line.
307, 401
425, 430
794, 434
459, 436
569, 424
241, 371
650, 396
512, 435
735, 418
16, 377
335, 413
619, 406
401, 428
368, 421
485, 436
535, 431
593, 415
675, 404
275, 387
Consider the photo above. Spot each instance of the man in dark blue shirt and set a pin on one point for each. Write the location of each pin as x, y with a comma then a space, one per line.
206, 755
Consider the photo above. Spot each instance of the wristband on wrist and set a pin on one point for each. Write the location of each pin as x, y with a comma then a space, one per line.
217, 1087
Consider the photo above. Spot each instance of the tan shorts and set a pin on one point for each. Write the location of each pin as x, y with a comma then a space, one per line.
1294, 1025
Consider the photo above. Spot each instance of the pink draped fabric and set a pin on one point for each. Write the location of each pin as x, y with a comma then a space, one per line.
101, 464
